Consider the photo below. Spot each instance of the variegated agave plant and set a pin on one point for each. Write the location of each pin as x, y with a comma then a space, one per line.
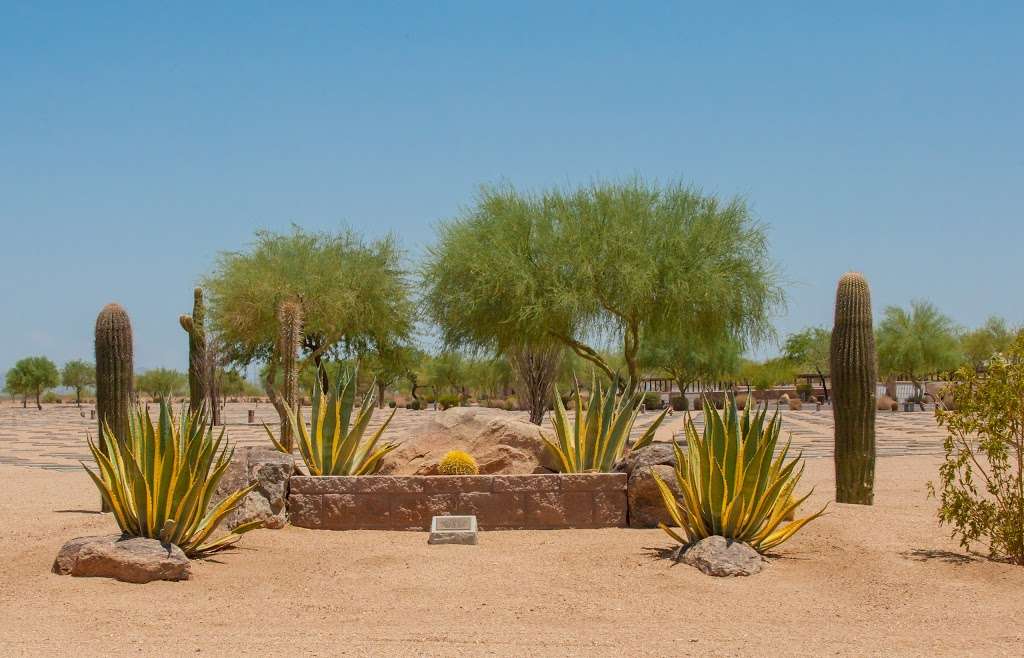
732, 484
329, 446
597, 437
159, 480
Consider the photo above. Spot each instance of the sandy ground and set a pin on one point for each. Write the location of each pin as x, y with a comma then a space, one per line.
879, 580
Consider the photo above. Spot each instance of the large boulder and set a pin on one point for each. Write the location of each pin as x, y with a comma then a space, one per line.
128, 559
646, 507
500, 443
718, 556
268, 502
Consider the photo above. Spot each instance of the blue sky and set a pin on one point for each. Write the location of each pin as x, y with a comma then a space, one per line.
136, 142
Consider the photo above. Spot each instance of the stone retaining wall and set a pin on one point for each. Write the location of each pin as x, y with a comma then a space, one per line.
500, 502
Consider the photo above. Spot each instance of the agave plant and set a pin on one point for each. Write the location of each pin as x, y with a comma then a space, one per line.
329, 446
732, 484
159, 480
596, 437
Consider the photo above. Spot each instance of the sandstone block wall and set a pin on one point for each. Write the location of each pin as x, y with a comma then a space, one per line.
500, 502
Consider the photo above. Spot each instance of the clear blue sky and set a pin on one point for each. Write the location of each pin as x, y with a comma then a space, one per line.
136, 143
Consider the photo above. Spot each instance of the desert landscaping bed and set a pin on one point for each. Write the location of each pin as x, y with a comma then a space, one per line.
500, 502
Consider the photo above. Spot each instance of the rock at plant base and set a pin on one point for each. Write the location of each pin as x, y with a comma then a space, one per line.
268, 502
128, 559
499, 442
718, 556
646, 508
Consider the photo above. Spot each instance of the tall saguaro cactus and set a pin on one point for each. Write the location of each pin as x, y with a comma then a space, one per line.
115, 371
289, 321
198, 366
854, 377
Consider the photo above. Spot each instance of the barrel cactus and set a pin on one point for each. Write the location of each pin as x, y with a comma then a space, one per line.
854, 376
458, 462
198, 375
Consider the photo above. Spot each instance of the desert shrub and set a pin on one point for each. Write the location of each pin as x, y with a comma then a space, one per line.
458, 462
597, 437
981, 481
158, 480
330, 446
392, 404
804, 390
731, 484
52, 398
680, 403
511, 403
415, 405
448, 400
652, 400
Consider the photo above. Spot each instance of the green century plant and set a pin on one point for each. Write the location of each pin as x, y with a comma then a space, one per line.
159, 480
731, 483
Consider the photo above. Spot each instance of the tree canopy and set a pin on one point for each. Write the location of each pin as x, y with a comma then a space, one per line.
916, 342
78, 375
31, 376
161, 383
601, 263
981, 344
353, 293
808, 351
690, 361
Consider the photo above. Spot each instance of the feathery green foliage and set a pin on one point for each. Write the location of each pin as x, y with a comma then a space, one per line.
730, 482
162, 383
917, 342
597, 436
158, 480
31, 376
78, 375
330, 446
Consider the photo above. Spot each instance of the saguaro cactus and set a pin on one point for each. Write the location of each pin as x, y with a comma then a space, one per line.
854, 376
198, 366
115, 372
289, 321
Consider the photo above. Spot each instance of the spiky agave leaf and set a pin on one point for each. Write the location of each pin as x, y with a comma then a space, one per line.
329, 446
159, 479
597, 438
731, 482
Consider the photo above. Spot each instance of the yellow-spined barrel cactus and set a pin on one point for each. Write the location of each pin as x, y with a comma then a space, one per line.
458, 462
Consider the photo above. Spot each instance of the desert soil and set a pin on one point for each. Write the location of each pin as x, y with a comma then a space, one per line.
880, 580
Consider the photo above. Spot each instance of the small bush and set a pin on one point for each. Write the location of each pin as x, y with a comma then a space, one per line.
680, 403
52, 398
511, 403
981, 482
415, 405
448, 400
392, 404
652, 400
804, 390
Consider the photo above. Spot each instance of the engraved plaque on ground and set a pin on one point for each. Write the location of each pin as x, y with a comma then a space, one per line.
453, 530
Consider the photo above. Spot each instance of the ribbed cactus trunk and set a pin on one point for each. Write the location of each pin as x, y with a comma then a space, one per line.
854, 377
198, 365
115, 371
289, 320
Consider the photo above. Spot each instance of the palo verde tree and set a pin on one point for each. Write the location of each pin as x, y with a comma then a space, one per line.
353, 296
688, 361
981, 344
78, 375
608, 261
916, 343
32, 376
809, 350
162, 383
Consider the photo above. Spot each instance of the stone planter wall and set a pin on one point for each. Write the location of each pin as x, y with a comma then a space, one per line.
500, 502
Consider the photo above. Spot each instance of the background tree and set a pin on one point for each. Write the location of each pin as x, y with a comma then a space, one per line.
764, 375
609, 261
78, 375
32, 376
688, 361
353, 295
449, 371
808, 350
916, 343
388, 365
993, 337
161, 383
536, 367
